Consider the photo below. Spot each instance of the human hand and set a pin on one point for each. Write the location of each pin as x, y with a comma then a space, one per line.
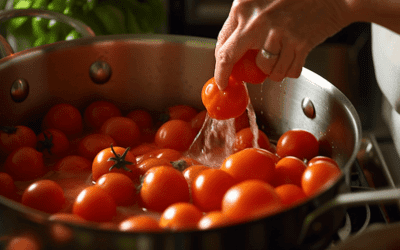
287, 30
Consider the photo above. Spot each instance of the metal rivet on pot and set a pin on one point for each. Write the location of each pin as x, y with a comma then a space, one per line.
19, 90
308, 107
100, 72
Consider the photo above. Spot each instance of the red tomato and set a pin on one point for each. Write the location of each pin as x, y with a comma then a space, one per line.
249, 200
247, 70
44, 195
225, 104
163, 186
64, 117
213, 219
244, 139
143, 148
123, 130
25, 164
198, 121
209, 188
192, 172
166, 153
145, 165
7, 186
27, 241
250, 163
115, 159
322, 158
184, 162
12, 138
289, 170
180, 216
142, 118
319, 176
94, 204
73, 164
290, 194
92, 144
299, 143
181, 112
140, 223
120, 187
242, 122
53, 143
98, 112
175, 134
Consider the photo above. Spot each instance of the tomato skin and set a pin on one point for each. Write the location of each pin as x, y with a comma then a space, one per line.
24, 164
225, 104
149, 163
98, 112
15, 137
299, 143
209, 188
142, 118
289, 170
242, 122
53, 143
250, 163
64, 117
163, 186
123, 130
44, 195
181, 112
319, 176
120, 187
73, 164
290, 194
140, 223
249, 200
143, 148
244, 139
180, 216
165, 153
213, 219
94, 204
247, 70
175, 134
198, 121
101, 165
7, 186
322, 158
92, 144
192, 172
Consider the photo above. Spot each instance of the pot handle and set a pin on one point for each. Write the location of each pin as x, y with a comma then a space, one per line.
348, 200
82, 28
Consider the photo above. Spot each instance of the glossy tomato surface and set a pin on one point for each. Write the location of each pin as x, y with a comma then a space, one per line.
246, 69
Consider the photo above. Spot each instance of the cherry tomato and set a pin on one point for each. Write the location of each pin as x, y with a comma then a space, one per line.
143, 148
145, 165
92, 144
319, 176
73, 164
250, 163
123, 130
142, 118
64, 117
209, 188
289, 170
181, 112
198, 121
115, 159
299, 143
163, 186
12, 138
27, 241
290, 194
322, 158
213, 219
242, 122
53, 143
225, 104
44, 195
166, 153
94, 204
249, 200
244, 139
66, 217
24, 164
120, 187
7, 186
192, 172
98, 112
180, 216
175, 134
140, 223
184, 162
247, 70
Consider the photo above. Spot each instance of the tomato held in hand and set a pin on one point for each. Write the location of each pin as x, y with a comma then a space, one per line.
64, 117
175, 134
44, 195
25, 164
180, 216
299, 143
98, 112
246, 69
12, 138
249, 200
225, 104
319, 176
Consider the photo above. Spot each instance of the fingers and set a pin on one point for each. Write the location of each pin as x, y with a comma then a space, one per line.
273, 46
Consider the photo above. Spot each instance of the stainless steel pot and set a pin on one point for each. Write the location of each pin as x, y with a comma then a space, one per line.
157, 71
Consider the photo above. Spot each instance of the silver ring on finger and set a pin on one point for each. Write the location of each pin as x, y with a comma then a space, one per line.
268, 55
